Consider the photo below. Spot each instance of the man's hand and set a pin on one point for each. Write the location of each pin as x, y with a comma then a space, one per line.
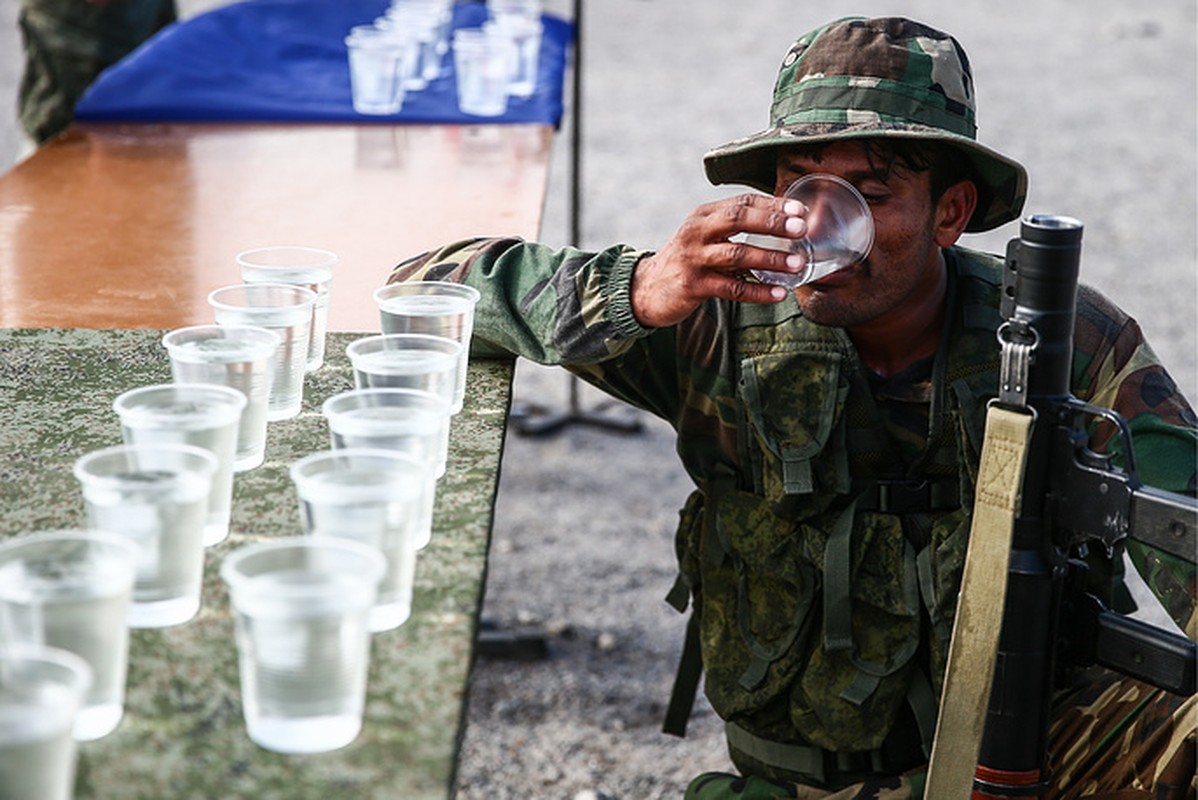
700, 262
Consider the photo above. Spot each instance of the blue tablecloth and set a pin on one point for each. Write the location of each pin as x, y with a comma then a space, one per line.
285, 60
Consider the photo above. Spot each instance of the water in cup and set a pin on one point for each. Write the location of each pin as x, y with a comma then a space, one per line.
407, 361
155, 496
300, 609
72, 590
286, 310
482, 63
437, 308
41, 692
240, 357
376, 497
408, 421
376, 61
840, 230
206, 416
309, 267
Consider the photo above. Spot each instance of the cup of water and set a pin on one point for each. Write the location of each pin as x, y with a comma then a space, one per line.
156, 497
286, 310
309, 267
437, 308
376, 64
70, 589
41, 692
204, 415
840, 230
407, 361
238, 356
375, 497
300, 608
482, 62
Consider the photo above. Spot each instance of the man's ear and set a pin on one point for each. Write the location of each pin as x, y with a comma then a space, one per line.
953, 212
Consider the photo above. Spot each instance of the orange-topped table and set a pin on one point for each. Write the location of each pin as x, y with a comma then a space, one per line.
120, 225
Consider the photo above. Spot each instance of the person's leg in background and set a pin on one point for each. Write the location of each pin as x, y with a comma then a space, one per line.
68, 43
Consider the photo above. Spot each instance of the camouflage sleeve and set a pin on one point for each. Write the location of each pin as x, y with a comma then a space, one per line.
1115, 368
561, 306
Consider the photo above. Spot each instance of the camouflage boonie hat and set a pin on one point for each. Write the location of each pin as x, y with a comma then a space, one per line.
861, 78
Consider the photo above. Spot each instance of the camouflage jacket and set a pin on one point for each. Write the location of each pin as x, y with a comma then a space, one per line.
822, 611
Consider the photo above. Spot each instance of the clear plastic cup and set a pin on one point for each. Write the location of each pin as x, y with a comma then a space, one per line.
406, 421
300, 607
376, 64
309, 267
407, 361
204, 415
240, 357
840, 230
71, 589
286, 310
437, 308
524, 33
482, 64
155, 496
375, 497
41, 692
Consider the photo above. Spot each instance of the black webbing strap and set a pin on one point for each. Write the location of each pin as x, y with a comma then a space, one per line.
686, 682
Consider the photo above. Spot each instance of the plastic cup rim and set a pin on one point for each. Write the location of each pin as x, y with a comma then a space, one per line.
329, 258
308, 296
236, 581
80, 672
235, 397
418, 288
328, 407
106, 539
443, 343
79, 468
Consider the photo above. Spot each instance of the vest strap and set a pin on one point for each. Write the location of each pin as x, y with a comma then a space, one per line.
807, 760
686, 681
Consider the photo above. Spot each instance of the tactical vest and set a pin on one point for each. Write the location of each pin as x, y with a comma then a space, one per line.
825, 575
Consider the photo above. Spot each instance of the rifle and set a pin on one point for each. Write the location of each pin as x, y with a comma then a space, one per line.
1073, 497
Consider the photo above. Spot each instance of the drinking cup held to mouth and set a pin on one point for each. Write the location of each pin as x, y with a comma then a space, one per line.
407, 361
204, 415
300, 607
70, 589
840, 230
155, 496
375, 497
240, 357
376, 69
309, 267
41, 692
286, 310
438, 308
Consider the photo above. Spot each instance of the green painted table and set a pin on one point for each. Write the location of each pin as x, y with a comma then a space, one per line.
183, 734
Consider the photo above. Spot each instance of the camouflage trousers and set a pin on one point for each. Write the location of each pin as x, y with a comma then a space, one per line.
1112, 738
70, 42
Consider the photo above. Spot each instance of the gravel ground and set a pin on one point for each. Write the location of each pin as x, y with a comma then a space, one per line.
1097, 99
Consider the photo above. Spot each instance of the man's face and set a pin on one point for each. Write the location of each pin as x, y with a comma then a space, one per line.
905, 259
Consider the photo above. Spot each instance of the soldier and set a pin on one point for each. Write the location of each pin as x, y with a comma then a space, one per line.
833, 431
67, 44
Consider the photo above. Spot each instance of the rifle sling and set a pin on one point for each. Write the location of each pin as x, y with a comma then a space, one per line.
970, 669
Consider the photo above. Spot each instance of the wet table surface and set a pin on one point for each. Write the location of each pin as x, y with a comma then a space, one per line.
118, 225
183, 734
